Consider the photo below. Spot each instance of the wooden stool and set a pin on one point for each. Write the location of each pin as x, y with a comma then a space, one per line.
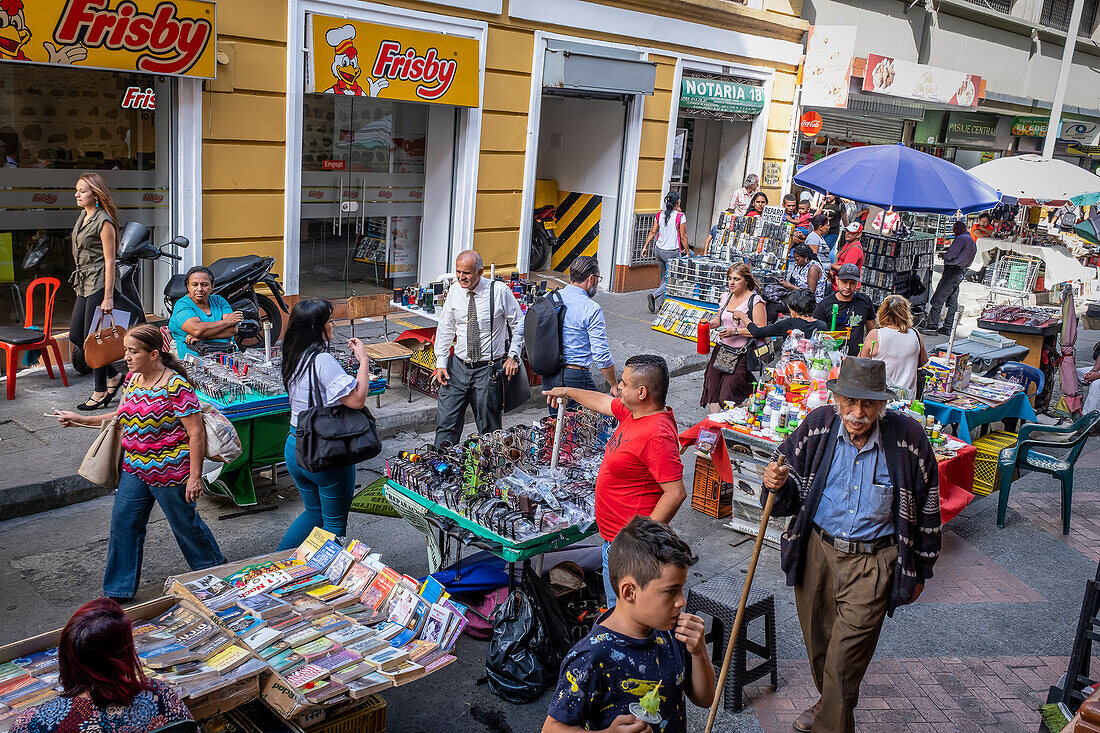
718, 598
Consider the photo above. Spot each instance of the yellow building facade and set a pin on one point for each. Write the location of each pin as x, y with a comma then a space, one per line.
363, 144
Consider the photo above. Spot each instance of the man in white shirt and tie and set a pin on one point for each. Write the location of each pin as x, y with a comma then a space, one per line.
480, 343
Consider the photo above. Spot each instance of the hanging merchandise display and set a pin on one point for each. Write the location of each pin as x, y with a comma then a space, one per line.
898, 266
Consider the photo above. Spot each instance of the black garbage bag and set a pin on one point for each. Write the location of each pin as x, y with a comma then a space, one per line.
530, 639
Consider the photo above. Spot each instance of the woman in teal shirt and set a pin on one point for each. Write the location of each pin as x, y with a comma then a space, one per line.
200, 317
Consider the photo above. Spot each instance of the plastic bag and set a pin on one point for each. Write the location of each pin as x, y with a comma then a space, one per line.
530, 639
222, 442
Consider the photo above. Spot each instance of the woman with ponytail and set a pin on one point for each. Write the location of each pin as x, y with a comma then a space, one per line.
163, 445
670, 230
95, 244
103, 687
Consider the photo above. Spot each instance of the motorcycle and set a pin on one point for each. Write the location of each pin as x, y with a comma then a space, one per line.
543, 238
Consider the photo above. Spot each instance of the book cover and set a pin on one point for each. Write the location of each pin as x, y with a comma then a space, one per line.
317, 648
307, 606
304, 636
403, 606
270, 651
358, 549
357, 579
245, 625
387, 630
414, 624
418, 649
317, 538
330, 623
437, 624
438, 662
353, 609
374, 597
167, 656
339, 660
432, 590
326, 592
339, 566
348, 634
368, 685
387, 659
286, 662
368, 645
404, 673
196, 635
352, 672
306, 674
263, 605
324, 556
39, 662
212, 646
228, 658
324, 690
261, 638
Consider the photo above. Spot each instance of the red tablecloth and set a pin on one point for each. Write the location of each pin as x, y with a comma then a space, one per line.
956, 474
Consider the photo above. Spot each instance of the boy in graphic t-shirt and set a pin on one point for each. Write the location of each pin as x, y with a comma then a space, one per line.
645, 643
641, 471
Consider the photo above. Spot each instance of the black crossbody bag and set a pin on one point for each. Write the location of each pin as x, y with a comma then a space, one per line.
333, 437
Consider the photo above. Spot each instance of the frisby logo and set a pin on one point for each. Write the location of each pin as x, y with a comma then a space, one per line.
138, 98
434, 74
315, 194
154, 198
44, 198
172, 44
385, 194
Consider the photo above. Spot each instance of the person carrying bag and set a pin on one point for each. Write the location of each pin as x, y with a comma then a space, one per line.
513, 391
330, 430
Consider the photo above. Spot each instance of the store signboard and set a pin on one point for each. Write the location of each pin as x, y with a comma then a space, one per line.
809, 124
718, 95
1085, 133
773, 175
168, 37
969, 128
368, 60
1030, 126
828, 65
901, 78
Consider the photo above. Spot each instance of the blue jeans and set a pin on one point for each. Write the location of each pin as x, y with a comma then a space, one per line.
569, 378
830, 239
608, 588
663, 256
326, 498
129, 517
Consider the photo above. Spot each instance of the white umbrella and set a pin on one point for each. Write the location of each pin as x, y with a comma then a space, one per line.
1035, 180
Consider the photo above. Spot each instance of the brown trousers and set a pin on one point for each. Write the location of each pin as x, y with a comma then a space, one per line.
841, 602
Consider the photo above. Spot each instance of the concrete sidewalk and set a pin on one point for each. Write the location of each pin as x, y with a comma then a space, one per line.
41, 459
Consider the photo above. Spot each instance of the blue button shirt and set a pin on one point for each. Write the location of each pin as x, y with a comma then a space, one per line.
185, 309
858, 501
584, 333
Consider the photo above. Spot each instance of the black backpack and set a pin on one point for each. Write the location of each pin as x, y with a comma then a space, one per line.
542, 334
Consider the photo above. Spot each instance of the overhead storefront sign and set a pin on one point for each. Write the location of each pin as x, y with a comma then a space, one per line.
718, 95
828, 65
1085, 133
968, 128
368, 60
170, 37
809, 124
900, 78
1029, 126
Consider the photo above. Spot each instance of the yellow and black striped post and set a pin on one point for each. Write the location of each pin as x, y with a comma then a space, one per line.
578, 228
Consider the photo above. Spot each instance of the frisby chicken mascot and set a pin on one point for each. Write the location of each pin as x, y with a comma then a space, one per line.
14, 35
345, 65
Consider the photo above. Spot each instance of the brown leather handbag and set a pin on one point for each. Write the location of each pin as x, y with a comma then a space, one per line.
104, 346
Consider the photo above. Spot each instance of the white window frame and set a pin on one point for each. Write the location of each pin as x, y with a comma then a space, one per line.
468, 133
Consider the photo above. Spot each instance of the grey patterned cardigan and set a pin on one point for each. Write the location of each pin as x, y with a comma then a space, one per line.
913, 470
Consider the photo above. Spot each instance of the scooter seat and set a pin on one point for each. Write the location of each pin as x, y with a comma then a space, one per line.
228, 268
176, 288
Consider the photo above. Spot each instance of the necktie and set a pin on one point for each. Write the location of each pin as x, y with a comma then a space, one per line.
473, 332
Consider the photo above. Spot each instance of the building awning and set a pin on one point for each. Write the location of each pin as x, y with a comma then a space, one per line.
603, 70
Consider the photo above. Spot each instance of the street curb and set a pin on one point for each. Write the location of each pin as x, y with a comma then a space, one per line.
22, 501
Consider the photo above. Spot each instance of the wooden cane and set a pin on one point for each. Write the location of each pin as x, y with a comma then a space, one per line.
736, 630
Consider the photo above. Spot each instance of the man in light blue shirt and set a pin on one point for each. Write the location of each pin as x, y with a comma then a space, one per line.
858, 502
584, 333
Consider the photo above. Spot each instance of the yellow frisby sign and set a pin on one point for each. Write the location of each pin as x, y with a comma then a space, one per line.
172, 37
369, 60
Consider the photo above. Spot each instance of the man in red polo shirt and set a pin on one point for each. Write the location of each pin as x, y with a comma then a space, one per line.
641, 471
848, 251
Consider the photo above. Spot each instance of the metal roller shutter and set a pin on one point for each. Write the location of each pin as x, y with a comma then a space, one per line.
861, 126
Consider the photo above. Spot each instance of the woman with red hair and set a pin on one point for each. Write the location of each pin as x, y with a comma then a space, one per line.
103, 686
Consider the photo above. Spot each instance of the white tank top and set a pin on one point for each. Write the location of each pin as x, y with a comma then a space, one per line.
668, 235
900, 351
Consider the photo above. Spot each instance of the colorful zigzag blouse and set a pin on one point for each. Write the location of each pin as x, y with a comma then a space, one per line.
154, 440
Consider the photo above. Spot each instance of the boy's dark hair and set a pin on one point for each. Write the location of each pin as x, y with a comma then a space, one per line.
652, 370
642, 548
802, 302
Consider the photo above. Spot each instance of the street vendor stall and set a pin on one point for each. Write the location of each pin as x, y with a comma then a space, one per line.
1058, 262
518, 492
313, 633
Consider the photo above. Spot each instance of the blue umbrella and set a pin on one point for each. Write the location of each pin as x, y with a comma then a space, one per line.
897, 177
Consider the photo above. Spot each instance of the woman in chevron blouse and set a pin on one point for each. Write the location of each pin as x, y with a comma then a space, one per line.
163, 443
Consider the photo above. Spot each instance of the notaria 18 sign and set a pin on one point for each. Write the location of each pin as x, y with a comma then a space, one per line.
718, 95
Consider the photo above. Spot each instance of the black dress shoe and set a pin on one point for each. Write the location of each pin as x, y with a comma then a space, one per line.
652, 303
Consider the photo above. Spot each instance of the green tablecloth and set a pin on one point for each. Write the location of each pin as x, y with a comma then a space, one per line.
262, 439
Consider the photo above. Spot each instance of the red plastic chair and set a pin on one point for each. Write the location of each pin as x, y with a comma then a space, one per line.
15, 340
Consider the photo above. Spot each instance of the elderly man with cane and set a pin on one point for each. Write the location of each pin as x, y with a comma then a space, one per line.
861, 485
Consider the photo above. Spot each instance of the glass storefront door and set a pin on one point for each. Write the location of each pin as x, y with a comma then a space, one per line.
54, 124
363, 175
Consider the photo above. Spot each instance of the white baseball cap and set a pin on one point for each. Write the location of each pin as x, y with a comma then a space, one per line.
855, 227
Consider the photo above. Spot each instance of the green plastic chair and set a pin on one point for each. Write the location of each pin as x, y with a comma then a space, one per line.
1022, 457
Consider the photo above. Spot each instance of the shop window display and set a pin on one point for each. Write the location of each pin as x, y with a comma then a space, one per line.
363, 170
54, 124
